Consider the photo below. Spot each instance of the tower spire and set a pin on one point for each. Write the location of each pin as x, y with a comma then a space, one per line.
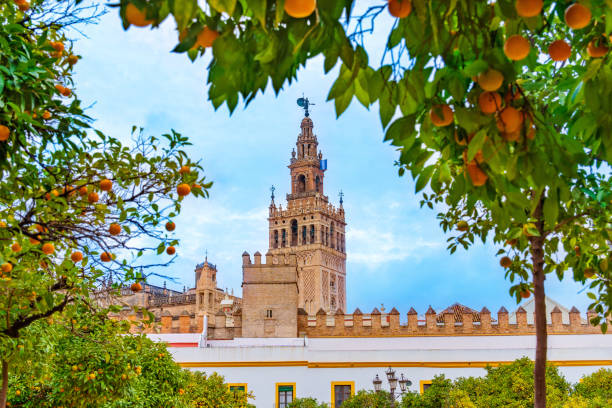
304, 103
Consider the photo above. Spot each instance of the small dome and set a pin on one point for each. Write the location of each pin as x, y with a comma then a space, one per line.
306, 122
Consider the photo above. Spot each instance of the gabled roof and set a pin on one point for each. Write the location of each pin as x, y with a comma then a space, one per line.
458, 310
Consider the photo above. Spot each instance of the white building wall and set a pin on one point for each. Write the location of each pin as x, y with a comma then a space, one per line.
313, 364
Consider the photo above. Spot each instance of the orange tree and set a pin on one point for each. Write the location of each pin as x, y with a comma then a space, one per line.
77, 207
500, 108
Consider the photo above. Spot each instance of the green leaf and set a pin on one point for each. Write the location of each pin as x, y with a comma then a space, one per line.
475, 68
183, 11
259, 10
476, 143
551, 208
424, 178
226, 6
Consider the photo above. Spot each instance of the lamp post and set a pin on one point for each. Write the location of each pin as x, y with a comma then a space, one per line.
393, 381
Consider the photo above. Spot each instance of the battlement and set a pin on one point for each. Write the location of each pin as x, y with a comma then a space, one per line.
377, 324
305, 205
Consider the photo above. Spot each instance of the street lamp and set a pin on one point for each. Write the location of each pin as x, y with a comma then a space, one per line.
404, 383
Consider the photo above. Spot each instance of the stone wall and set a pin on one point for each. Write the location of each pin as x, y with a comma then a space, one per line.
376, 324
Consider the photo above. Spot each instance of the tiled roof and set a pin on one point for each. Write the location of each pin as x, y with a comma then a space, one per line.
458, 310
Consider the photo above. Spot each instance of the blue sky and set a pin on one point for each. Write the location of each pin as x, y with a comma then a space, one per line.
396, 251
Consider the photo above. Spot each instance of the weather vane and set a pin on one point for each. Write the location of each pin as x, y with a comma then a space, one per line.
272, 190
341, 195
304, 103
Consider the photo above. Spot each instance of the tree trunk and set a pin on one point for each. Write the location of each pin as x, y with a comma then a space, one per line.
4, 389
537, 258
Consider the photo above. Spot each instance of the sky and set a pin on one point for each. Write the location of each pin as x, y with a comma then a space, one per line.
396, 251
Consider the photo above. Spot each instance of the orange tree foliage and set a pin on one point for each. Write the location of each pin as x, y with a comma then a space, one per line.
64, 183
526, 166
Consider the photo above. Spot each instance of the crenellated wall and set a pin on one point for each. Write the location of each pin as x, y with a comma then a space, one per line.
376, 324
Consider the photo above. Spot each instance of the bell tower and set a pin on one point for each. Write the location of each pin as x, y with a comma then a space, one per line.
311, 228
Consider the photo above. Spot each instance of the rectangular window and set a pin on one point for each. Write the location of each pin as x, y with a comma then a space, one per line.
269, 313
341, 391
285, 393
239, 390
424, 385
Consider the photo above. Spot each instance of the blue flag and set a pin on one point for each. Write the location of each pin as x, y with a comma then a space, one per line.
323, 165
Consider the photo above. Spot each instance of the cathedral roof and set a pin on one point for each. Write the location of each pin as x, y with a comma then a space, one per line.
458, 310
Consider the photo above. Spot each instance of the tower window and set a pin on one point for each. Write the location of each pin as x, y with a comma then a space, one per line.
268, 313
284, 238
275, 239
317, 184
294, 232
312, 234
331, 233
304, 240
301, 183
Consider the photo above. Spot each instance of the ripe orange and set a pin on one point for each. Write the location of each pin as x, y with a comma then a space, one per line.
4, 133
511, 136
489, 102
73, 59
516, 47
196, 185
34, 241
525, 294
136, 17
490, 80
462, 226
83, 190
16, 247
136, 287
106, 185
559, 50
183, 189
597, 50
105, 257
114, 229
207, 37
170, 250
58, 46
461, 141
528, 8
93, 197
46, 115
76, 256
589, 272
66, 91
170, 226
23, 5
48, 248
184, 169
505, 262
510, 119
400, 8
300, 8
447, 115
479, 177
577, 16
6, 267
60, 88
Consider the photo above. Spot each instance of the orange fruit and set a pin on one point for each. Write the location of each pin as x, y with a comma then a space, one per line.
34, 241
461, 141
447, 115
525, 294
136, 287
114, 229
58, 46
207, 37
589, 272
105, 257
4, 133
577, 16
184, 169
83, 190
170, 226
73, 59
170, 250
510, 119
48, 248
489, 102
478, 177
6, 267
528, 8
23, 5
597, 51
93, 197
505, 262
196, 185
66, 91
183, 189
60, 88
76, 256
462, 226
300, 8
46, 115
135, 16
490, 80
559, 50
512, 136
531, 132
16, 247
516, 47
106, 185
400, 8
